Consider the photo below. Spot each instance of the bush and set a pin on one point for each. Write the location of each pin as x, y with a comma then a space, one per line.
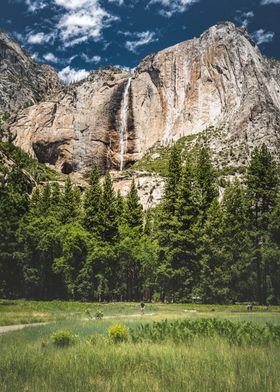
63, 338
118, 333
99, 315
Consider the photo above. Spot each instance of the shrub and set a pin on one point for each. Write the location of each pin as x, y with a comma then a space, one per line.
88, 314
118, 333
63, 338
99, 315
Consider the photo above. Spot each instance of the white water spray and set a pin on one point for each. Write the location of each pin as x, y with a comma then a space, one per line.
123, 123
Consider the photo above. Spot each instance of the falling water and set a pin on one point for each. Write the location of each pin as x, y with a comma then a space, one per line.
123, 123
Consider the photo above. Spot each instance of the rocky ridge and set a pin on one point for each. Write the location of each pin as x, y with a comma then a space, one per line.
23, 82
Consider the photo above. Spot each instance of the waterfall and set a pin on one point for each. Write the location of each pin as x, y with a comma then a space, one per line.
123, 123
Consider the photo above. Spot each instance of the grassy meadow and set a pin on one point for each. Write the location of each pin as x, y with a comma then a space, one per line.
207, 361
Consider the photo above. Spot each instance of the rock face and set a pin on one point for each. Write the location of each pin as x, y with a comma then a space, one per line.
219, 82
78, 126
22, 81
150, 187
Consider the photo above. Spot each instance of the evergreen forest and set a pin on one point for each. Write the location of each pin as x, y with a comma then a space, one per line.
204, 242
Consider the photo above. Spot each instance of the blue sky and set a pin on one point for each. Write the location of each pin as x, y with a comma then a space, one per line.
77, 36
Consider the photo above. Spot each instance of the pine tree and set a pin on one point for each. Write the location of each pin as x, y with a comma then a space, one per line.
272, 255
148, 222
119, 207
14, 204
133, 214
108, 210
69, 203
237, 242
215, 275
92, 199
76, 243
55, 199
184, 238
165, 217
172, 180
165, 222
45, 200
206, 179
262, 188
35, 201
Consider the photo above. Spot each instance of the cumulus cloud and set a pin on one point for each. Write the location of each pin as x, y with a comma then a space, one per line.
38, 38
141, 39
261, 36
244, 18
266, 2
83, 19
69, 75
93, 59
51, 57
171, 7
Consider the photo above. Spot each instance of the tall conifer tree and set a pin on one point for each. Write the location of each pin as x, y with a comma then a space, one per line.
262, 187
108, 210
133, 214
92, 199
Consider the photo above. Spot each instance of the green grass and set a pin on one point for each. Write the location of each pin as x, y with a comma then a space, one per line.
30, 362
25, 312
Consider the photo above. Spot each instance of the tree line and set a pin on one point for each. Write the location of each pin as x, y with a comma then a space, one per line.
201, 243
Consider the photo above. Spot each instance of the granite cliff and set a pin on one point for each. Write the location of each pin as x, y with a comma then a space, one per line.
217, 88
23, 82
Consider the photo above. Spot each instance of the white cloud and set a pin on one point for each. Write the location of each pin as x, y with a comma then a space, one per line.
69, 75
266, 2
83, 19
51, 57
38, 38
171, 7
94, 59
141, 39
18, 36
119, 2
73, 4
72, 58
35, 56
244, 18
35, 5
261, 36
130, 70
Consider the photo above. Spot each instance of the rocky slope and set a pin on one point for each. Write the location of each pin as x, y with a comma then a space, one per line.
22, 81
217, 87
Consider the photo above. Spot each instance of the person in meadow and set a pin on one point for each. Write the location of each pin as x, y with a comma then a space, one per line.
250, 307
142, 307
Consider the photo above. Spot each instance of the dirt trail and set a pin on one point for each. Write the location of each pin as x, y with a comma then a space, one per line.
137, 315
9, 328
129, 315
